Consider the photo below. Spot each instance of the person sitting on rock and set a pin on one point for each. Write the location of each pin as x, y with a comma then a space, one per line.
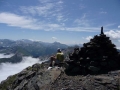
59, 57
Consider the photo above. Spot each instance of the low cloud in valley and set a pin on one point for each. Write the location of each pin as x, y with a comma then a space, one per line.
8, 69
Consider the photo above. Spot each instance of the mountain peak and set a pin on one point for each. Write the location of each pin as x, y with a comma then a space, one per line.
56, 42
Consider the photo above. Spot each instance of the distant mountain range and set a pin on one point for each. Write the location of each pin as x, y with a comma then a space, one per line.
25, 47
29, 48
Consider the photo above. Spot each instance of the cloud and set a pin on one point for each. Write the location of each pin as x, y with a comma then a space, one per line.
89, 37
59, 17
109, 25
6, 56
26, 22
8, 69
17, 21
113, 34
103, 12
54, 38
39, 10
47, 11
119, 26
82, 21
44, 1
83, 29
81, 6
46, 8
34, 40
51, 18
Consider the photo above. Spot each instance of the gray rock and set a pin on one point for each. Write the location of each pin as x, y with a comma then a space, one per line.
112, 64
103, 63
30, 74
93, 68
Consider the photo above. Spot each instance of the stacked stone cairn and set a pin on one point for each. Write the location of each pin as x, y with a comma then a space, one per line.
95, 57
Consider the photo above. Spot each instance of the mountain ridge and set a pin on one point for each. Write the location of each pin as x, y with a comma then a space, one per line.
28, 47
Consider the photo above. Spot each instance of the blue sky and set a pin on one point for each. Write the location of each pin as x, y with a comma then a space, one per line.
65, 21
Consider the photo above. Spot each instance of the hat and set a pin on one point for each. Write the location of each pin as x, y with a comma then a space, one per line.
59, 50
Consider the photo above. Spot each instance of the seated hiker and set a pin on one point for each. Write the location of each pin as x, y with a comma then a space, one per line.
59, 57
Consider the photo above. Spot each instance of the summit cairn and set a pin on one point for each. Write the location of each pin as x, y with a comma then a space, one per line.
97, 56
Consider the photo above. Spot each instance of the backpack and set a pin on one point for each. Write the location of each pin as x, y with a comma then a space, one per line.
60, 56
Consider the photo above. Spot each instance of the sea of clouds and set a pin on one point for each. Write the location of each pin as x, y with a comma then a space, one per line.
7, 69
2, 55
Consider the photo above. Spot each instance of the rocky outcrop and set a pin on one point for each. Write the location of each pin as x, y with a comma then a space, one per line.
95, 57
109, 81
36, 77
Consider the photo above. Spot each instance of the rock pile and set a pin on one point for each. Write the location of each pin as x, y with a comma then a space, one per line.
97, 56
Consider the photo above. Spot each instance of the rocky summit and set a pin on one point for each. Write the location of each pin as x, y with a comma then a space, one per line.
95, 57
95, 66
